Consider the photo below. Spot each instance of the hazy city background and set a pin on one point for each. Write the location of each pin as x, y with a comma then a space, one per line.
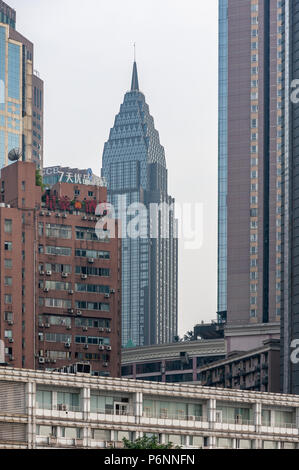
84, 52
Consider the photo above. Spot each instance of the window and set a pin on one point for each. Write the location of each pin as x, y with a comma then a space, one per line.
8, 263
92, 254
88, 233
44, 399
8, 281
90, 271
101, 307
70, 400
56, 285
71, 433
46, 430
8, 316
8, 226
58, 231
8, 334
58, 250
8, 246
57, 303
8, 299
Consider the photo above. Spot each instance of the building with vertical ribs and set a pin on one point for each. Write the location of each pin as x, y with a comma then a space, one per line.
21, 94
59, 282
134, 166
250, 167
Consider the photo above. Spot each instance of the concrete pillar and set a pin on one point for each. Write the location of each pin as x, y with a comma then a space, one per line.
258, 444
138, 406
212, 412
257, 410
212, 442
86, 416
138, 434
54, 400
194, 364
163, 371
30, 393
272, 418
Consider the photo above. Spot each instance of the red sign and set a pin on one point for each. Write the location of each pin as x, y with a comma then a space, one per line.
54, 203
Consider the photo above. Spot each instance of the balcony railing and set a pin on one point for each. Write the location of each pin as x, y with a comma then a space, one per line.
239, 421
77, 408
127, 412
175, 417
280, 425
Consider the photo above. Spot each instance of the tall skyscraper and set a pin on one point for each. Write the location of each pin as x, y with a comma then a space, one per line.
21, 94
250, 118
290, 206
135, 169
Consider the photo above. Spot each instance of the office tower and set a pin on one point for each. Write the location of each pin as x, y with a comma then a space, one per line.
21, 94
135, 169
290, 226
250, 89
60, 283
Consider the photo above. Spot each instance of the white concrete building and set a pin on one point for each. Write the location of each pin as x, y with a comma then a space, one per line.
46, 409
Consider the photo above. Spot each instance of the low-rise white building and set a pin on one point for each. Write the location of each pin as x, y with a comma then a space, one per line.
48, 409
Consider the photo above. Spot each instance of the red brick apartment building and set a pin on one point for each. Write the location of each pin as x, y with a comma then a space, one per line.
60, 285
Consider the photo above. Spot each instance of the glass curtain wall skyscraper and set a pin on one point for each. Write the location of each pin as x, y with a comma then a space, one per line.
21, 94
135, 169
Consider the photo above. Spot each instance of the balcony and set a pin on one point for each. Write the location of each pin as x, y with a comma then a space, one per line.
48, 408
125, 412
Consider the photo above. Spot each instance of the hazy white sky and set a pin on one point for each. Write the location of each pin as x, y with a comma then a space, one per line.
84, 53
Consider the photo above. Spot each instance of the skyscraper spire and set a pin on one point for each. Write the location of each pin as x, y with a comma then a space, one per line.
135, 84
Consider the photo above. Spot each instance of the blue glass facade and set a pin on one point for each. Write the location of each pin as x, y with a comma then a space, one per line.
135, 169
21, 93
14, 71
7, 15
222, 158
2, 67
10, 95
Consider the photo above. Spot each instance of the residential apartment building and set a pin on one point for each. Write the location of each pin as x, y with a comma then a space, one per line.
21, 94
250, 164
134, 166
171, 363
42, 410
256, 370
60, 282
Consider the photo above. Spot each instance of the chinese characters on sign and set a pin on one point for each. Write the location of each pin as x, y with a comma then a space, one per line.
65, 204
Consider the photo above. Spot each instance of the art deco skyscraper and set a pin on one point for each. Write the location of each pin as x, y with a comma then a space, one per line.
21, 94
250, 118
135, 169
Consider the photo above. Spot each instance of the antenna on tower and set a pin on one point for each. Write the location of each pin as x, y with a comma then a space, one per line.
134, 51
